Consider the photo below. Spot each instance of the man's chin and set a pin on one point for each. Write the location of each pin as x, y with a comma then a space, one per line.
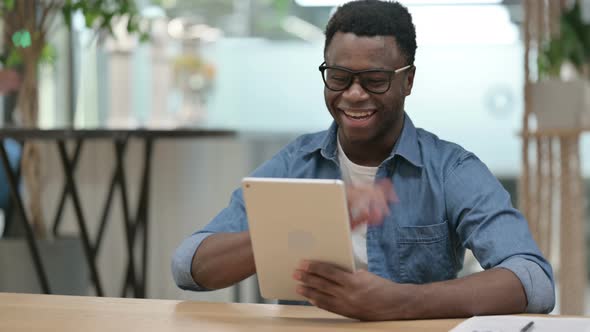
354, 137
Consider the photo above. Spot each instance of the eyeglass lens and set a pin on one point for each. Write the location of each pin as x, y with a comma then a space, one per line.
373, 81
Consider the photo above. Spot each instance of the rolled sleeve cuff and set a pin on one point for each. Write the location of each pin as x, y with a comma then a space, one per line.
182, 262
537, 285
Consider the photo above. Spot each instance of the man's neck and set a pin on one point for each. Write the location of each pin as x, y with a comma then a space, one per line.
374, 152
363, 155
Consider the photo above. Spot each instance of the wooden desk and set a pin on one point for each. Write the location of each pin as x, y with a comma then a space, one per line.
25, 312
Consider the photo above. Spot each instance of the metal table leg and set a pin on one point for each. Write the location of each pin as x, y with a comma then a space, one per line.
107, 207
141, 224
129, 224
144, 211
65, 191
88, 249
32, 243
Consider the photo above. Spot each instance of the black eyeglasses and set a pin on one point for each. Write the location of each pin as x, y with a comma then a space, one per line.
372, 80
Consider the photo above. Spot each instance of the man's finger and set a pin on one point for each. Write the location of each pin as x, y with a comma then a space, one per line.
380, 202
379, 208
357, 223
317, 282
358, 212
319, 298
327, 271
375, 214
358, 216
388, 190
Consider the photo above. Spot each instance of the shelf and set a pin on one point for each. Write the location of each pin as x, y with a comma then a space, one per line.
556, 132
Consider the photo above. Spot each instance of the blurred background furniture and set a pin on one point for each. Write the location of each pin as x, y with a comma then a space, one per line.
13, 153
134, 223
552, 189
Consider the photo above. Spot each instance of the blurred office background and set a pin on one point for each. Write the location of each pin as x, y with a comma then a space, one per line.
251, 66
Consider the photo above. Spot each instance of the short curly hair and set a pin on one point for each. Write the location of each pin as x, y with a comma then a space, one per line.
375, 18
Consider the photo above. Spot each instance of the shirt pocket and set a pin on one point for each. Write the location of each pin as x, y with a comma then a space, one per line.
425, 253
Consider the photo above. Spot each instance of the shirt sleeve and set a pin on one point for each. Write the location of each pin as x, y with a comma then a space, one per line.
231, 219
182, 262
537, 285
498, 234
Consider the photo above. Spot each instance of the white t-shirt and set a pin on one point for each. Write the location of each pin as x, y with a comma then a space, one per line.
356, 175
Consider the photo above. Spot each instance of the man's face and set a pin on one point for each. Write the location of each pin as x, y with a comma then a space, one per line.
365, 117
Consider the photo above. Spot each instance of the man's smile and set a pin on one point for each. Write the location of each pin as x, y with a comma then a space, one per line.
358, 114
357, 117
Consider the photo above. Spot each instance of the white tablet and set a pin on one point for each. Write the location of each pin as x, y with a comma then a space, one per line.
291, 220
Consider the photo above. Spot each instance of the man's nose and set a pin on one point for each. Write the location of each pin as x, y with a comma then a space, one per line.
355, 91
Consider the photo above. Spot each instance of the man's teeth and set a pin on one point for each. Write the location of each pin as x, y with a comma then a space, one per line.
358, 114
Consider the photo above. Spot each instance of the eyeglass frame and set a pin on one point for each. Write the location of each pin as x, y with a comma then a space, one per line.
354, 73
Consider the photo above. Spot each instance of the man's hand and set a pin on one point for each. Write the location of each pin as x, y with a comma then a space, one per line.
361, 294
369, 204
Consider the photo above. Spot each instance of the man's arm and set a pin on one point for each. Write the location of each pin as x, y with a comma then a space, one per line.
366, 296
222, 260
492, 292
480, 212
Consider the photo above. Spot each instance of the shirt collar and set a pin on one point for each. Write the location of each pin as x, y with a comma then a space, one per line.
407, 145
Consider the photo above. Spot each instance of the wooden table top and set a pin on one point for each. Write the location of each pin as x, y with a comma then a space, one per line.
32, 312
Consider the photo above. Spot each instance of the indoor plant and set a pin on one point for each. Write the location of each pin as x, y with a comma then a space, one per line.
561, 97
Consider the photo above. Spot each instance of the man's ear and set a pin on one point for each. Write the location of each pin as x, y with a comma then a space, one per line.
409, 81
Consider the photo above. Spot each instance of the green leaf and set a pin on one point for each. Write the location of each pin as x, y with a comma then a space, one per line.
572, 44
282, 6
144, 37
14, 58
9, 4
21, 38
100, 15
124, 7
48, 54
90, 18
80, 5
66, 11
132, 25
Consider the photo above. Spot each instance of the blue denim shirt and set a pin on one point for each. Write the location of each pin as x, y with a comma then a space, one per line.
448, 201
